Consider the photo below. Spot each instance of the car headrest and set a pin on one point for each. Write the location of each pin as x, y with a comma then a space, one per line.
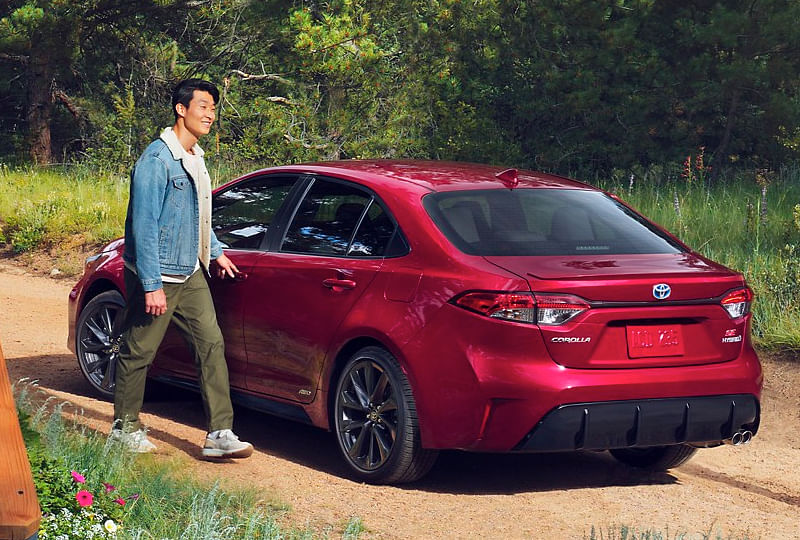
571, 225
348, 213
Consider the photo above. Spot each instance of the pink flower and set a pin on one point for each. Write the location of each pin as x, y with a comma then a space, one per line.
109, 487
84, 498
134, 497
78, 477
120, 501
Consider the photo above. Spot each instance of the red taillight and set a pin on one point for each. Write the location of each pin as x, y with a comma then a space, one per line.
737, 303
519, 307
556, 309
546, 309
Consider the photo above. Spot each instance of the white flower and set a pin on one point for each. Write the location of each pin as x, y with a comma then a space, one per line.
110, 526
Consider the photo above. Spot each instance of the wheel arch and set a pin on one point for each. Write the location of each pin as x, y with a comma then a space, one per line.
98, 286
348, 349
342, 356
408, 459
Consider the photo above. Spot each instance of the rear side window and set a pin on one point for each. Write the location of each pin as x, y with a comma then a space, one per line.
543, 222
242, 214
339, 219
373, 234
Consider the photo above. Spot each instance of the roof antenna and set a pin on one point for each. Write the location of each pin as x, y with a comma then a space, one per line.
509, 178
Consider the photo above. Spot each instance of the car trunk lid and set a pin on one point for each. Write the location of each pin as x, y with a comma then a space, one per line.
645, 310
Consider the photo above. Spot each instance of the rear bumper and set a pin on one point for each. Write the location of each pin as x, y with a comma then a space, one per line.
641, 423
485, 386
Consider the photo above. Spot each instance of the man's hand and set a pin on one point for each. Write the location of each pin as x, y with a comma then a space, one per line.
155, 302
225, 267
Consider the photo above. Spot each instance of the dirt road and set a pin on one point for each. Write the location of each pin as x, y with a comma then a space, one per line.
752, 490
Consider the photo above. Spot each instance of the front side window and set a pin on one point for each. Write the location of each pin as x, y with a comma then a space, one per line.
341, 220
242, 214
543, 222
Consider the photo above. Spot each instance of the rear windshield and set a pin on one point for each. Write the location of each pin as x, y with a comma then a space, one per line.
543, 222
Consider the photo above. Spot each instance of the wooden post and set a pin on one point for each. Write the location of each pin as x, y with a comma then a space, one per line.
19, 507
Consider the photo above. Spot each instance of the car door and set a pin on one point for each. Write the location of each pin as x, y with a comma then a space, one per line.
241, 217
323, 263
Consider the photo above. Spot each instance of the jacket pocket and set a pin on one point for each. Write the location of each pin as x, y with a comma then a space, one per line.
179, 192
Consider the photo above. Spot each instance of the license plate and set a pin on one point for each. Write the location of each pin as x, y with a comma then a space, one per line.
645, 341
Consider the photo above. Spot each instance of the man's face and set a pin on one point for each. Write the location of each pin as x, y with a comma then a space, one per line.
200, 114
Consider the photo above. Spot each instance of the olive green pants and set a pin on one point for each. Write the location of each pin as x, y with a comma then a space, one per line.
191, 309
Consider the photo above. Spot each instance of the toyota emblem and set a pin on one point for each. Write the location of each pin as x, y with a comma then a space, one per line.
661, 291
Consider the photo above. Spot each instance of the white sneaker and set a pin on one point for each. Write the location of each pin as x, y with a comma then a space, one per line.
135, 441
225, 444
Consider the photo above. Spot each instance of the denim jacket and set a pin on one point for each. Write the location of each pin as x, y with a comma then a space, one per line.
161, 228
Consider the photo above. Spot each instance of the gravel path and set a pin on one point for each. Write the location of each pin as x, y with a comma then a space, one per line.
752, 490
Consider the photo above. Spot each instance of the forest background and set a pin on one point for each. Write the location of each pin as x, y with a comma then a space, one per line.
689, 110
570, 86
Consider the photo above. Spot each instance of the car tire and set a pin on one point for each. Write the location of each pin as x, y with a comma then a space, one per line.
656, 458
375, 420
97, 340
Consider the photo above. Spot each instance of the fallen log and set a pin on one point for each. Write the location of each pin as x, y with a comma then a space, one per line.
19, 507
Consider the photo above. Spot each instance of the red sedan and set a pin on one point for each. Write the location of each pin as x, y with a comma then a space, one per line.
417, 306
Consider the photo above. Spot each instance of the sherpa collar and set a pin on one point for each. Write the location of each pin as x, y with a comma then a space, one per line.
178, 152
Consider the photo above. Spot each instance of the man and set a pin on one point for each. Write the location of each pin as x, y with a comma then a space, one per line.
168, 245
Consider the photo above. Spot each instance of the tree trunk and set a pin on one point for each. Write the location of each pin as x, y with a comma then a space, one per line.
721, 153
40, 101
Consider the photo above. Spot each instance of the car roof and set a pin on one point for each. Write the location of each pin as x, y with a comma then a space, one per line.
429, 175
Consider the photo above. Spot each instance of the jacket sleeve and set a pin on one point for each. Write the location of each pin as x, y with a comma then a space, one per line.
216, 246
148, 187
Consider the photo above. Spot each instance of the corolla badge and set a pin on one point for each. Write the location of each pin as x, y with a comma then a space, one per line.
661, 291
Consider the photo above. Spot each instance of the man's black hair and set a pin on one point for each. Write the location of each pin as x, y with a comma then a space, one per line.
184, 91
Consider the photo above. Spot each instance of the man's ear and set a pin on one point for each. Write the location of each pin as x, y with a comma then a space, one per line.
180, 108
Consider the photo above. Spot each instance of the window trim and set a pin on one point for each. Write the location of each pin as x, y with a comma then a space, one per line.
276, 223
310, 180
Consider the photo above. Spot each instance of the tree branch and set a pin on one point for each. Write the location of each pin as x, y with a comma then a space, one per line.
71, 107
264, 76
280, 99
21, 58
304, 144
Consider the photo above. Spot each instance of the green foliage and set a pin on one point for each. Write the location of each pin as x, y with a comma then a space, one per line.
725, 222
353, 529
122, 136
161, 499
72, 504
559, 85
626, 532
40, 208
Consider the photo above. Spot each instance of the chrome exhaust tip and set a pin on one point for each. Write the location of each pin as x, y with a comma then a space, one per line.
740, 437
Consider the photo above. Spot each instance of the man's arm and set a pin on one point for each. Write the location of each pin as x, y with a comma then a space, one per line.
148, 186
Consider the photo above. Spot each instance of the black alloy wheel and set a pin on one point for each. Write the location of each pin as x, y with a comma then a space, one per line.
376, 420
98, 340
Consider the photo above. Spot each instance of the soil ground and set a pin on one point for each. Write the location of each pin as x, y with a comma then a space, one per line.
748, 491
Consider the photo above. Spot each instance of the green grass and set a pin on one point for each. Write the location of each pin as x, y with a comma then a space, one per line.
71, 206
48, 207
729, 223
66, 210
162, 501
625, 532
